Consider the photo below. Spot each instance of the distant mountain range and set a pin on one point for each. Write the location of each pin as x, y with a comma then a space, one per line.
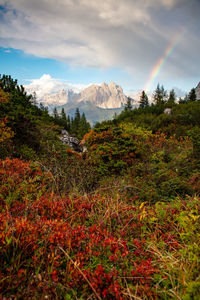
104, 96
98, 102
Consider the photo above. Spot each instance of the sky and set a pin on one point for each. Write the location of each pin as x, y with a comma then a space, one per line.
52, 44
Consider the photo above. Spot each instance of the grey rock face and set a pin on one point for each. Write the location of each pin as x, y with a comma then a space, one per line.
63, 97
197, 90
104, 96
168, 111
71, 141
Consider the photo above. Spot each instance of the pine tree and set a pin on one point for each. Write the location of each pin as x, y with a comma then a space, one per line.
77, 116
75, 122
172, 96
77, 119
69, 125
192, 95
22, 114
63, 116
78, 125
55, 114
159, 95
84, 126
143, 100
164, 94
128, 105
64, 121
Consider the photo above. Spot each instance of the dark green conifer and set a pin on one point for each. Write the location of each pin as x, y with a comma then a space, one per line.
55, 114
160, 95
63, 116
172, 97
143, 100
192, 95
128, 105
84, 126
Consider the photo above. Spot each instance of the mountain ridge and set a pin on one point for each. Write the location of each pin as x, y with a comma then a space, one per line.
104, 96
97, 102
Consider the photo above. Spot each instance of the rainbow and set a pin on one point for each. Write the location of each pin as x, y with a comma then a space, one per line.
162, 60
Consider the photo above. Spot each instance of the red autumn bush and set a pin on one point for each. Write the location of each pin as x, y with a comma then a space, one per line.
20, 179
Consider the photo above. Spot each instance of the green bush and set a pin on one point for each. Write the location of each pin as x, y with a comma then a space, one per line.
26, 152
113, 149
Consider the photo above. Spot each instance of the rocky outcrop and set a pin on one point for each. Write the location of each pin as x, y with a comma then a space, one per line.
197, 90
167, 111
71, 141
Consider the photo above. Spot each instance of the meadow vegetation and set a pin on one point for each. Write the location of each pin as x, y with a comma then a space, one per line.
120, 221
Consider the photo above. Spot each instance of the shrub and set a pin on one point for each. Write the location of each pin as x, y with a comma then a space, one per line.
113, 149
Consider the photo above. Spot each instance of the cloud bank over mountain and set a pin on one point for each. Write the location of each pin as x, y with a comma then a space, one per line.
51, 91
126, 34
47, 85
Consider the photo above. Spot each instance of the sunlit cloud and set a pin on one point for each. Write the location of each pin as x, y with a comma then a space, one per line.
46, 85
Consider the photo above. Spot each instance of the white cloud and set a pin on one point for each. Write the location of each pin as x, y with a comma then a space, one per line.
47, 85
44, 85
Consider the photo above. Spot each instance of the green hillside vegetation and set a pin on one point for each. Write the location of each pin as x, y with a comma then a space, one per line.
77, 125
183, 117
120, 221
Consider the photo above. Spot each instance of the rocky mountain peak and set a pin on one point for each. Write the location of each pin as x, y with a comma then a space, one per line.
104, 96
104, 85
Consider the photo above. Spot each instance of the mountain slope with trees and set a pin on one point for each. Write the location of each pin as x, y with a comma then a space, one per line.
31, 126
